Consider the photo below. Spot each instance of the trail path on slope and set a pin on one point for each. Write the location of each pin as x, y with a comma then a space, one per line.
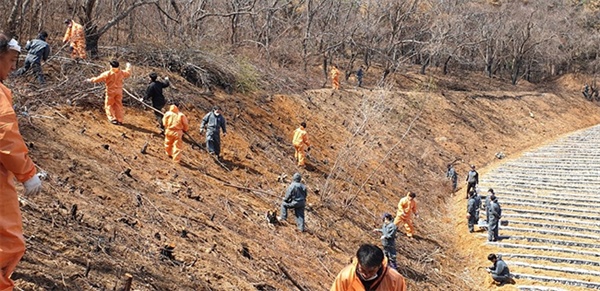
550, 197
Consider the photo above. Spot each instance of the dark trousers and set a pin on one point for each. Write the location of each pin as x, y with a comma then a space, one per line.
472, 221
493, 229
501, 279
213, 143
469, 187
298, 212
158, 114
37, 70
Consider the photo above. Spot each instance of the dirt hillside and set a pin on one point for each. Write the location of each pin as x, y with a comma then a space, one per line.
107, 209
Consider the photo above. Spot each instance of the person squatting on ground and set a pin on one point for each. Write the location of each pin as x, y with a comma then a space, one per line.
406, 208
154, 93
495, 213
388, 238
359, 76
37, 50
113, 103
14, 163
295, 197
452, 176
301, 144
214, 122
472, 180
335, 78
368, 271
175, 125
499, 271
472, 211
75, 35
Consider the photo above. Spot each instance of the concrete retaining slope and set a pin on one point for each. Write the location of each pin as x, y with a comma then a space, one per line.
550, 197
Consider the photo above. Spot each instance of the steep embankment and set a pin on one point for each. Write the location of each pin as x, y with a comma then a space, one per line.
370, 147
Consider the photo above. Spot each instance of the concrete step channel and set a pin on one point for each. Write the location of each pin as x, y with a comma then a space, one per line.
550, 198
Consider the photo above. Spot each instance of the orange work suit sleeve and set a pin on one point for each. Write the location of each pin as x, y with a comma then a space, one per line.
68, 34
13, 151
101, 78
185, 123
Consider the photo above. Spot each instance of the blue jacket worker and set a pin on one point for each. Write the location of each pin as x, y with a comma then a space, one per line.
37, 50
214, 123
388, 238
295, 198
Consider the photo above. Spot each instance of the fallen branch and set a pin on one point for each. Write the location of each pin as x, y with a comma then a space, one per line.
282, 268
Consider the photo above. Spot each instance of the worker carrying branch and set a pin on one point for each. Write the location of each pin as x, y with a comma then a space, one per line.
175, 124
407, 207
75, 36
113, 103
14, 163
301, 144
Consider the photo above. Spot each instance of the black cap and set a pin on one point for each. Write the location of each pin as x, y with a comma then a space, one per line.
114, 63
67, 21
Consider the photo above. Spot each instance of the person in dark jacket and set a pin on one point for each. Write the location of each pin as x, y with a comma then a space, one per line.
388, 238
295, 197
472, 180
154, 93
499, 271
495, 214
472, 212
359, 75
214, 122
452, 176
37, 50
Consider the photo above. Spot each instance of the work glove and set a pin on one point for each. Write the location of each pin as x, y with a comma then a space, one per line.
128, 65
308, 149
33, 186
201, 130
167, 79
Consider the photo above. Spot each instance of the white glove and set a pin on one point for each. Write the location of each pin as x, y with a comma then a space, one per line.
166, 78
33, 186
128, 65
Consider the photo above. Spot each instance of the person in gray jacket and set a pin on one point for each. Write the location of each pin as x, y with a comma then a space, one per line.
295, 197
499, 271
388, 238
472, 180
495, 214
214, 122
452, 176
488, 201
37, 50
472, 211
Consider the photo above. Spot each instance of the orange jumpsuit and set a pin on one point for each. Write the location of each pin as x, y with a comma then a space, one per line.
113, 104
76, 36
406, 208
14, 162
175, 125
335, 78
300, 143
348, 280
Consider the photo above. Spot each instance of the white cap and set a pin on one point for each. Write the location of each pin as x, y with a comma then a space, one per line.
14, 45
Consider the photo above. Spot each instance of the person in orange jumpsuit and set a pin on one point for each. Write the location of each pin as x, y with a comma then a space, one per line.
175, 125
113, 104
14, 163
406, 208
75, 35
301, 144
369, 271
335, 78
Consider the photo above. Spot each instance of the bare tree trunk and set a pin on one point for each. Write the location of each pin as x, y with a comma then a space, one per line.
12, 22
424, 65
446, 65
516, 69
